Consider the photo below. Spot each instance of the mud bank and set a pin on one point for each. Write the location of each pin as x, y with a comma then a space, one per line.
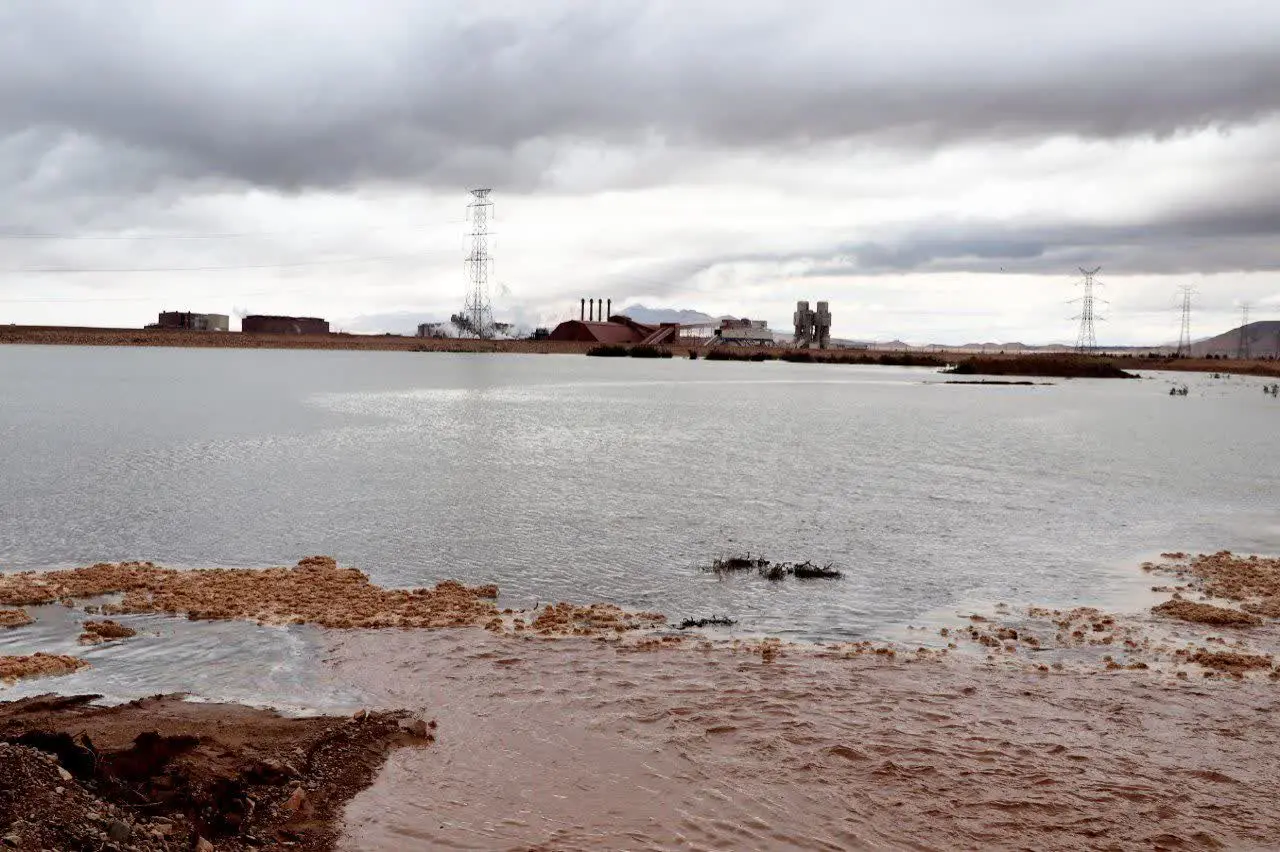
37, 665
315, 591
569, 728
165, 774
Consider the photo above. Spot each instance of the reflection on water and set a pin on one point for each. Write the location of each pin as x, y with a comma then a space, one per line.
568, 478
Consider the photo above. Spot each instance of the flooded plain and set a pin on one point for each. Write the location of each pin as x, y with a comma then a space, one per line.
570, 478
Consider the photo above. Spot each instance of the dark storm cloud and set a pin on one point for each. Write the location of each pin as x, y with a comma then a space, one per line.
334, 94
1232, 238
1245, 237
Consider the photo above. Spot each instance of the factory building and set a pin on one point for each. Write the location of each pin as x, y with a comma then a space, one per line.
744, 332
283, 325
193, 321
595, 328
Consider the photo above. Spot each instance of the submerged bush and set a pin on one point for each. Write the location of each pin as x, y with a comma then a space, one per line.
608, 351
648, 352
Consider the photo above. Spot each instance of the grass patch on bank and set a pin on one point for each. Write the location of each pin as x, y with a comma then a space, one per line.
617, 351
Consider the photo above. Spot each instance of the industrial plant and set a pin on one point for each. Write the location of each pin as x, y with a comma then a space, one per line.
813, 327
743, 332
256, 324
595, 325
192, 321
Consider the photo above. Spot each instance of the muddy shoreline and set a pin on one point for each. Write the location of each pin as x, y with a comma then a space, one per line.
167, 774
587, 727
85, 336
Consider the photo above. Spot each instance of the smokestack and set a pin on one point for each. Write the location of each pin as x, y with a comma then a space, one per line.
591, 309
582, 309
609, 311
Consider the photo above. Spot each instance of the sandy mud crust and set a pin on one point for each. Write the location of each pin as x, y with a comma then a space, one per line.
315, 591
165, 774
1251, 581
1219, 622
97, 632
38, 665
14, 618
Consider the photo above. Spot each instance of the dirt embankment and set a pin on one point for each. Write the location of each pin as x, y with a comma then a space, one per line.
165, 774
68, 336
1244, 367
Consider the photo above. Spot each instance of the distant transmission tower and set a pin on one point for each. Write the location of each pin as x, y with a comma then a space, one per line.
1086, 340
1242, 350
1184, 336
477, 313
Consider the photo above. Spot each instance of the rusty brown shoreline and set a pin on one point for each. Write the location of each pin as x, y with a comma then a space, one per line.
89, 336
164, 774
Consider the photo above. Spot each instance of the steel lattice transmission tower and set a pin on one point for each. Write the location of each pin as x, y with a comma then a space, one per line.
1184, 335
1086, 340
477, 313
1242, 349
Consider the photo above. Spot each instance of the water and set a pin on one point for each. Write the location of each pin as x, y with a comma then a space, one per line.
571, 478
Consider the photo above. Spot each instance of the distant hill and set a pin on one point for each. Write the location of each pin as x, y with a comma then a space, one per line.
1263, 336
653, 316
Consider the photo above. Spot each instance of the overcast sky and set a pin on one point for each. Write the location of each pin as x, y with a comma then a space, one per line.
936, 169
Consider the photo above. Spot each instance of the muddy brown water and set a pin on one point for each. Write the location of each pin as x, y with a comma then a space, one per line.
573, 745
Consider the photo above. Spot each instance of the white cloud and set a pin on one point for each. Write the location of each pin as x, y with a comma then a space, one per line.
936, 172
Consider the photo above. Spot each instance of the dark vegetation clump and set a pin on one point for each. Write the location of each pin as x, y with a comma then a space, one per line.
608, 351
713, 621
724, 354
827, 356
992, 382
908, 359
809, 571
737, 563
648, 352
774, 571
613, 350
1062, 366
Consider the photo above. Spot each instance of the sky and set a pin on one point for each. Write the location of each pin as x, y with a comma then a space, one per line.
937, 170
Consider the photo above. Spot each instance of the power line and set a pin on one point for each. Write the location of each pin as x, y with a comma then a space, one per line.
1184, 334
1242, 350
477, 310
1086, 340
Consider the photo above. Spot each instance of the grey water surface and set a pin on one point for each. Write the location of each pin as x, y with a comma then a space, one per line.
572, 478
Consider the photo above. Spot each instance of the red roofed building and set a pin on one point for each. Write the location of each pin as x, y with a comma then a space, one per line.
618, 330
